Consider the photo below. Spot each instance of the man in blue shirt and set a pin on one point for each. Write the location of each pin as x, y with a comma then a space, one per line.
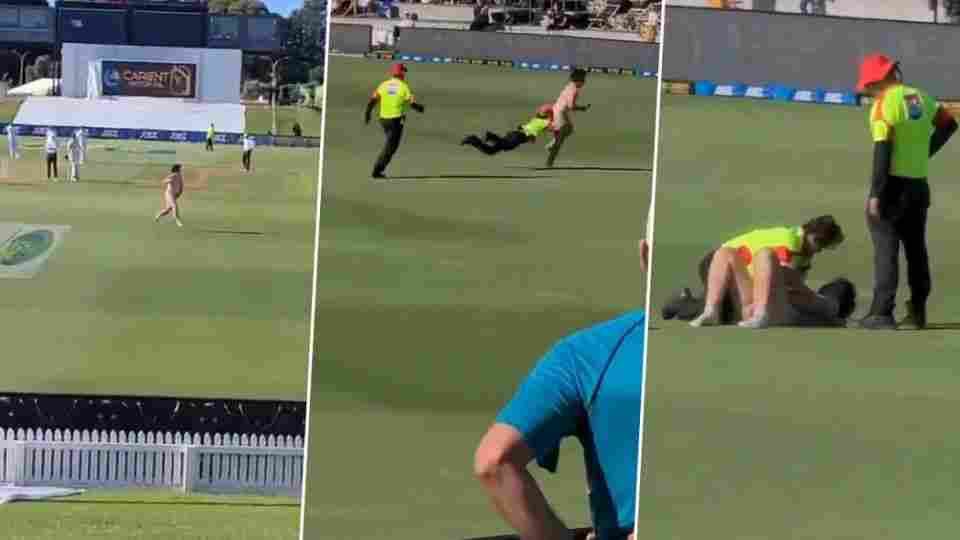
588, 386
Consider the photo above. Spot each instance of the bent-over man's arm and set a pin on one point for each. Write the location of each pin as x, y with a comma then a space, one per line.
545, 409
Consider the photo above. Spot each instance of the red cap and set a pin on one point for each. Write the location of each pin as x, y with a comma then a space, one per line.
397, 70
545, 110
873, 69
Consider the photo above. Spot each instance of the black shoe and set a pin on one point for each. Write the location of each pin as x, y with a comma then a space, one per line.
916, 316
672, 307
878, 322
469, 140
377, 175
682, 306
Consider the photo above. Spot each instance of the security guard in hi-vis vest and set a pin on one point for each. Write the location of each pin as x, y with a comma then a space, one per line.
793, 247
394, 96
908, 128
493, 144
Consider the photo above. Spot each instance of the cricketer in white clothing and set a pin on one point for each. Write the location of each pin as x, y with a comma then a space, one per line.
75, 155
51, 148
81, 135
249, 143
12, 141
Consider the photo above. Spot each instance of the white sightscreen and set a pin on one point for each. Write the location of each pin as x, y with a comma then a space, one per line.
219, 70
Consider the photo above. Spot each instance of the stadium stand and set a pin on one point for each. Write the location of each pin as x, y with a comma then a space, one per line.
188, 444
130, 67
942, 11
160, 414
636, 20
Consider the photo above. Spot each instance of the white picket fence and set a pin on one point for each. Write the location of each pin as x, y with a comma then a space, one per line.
189, 462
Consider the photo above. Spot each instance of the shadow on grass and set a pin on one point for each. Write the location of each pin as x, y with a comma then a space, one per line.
22, 184
176, 503
941, 327
578, 534
393, 223
226, 231
123, 183
589, 168
466, 177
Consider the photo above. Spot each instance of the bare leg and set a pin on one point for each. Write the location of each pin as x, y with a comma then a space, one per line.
743, 281
176, 214
553, 149
769, 291
170, 205
765, 265
726, 270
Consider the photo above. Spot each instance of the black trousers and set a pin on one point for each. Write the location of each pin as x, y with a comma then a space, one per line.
499, 144
728, 306
246, 159
209, 144
903, 221
393, 130
52, 165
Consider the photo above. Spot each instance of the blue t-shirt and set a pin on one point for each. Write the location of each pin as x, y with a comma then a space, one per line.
589, 386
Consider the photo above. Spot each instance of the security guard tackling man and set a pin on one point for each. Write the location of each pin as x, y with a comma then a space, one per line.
908, 128
493, 144
394, 96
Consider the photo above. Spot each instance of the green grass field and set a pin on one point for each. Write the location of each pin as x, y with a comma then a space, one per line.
441, 287
152, 515
788, 433
128, 306
259, 119
9, 108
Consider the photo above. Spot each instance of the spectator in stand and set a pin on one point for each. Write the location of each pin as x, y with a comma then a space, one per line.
814, 7
409, 21
481, 16
556, 18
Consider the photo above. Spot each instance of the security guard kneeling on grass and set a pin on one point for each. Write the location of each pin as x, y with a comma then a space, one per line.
394, 96
908, 128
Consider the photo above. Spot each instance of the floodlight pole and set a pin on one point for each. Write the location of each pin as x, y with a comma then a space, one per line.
276, 90
23, 58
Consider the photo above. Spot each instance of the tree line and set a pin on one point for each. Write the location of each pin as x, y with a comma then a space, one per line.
304, 51
304, 62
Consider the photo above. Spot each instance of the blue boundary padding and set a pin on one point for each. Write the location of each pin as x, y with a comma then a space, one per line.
639, 72
778, 92
783, 93
704, 88
538, 65
26, 130
523, 64
764, 91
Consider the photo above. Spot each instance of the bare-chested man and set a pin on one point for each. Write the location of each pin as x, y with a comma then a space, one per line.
172, 190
